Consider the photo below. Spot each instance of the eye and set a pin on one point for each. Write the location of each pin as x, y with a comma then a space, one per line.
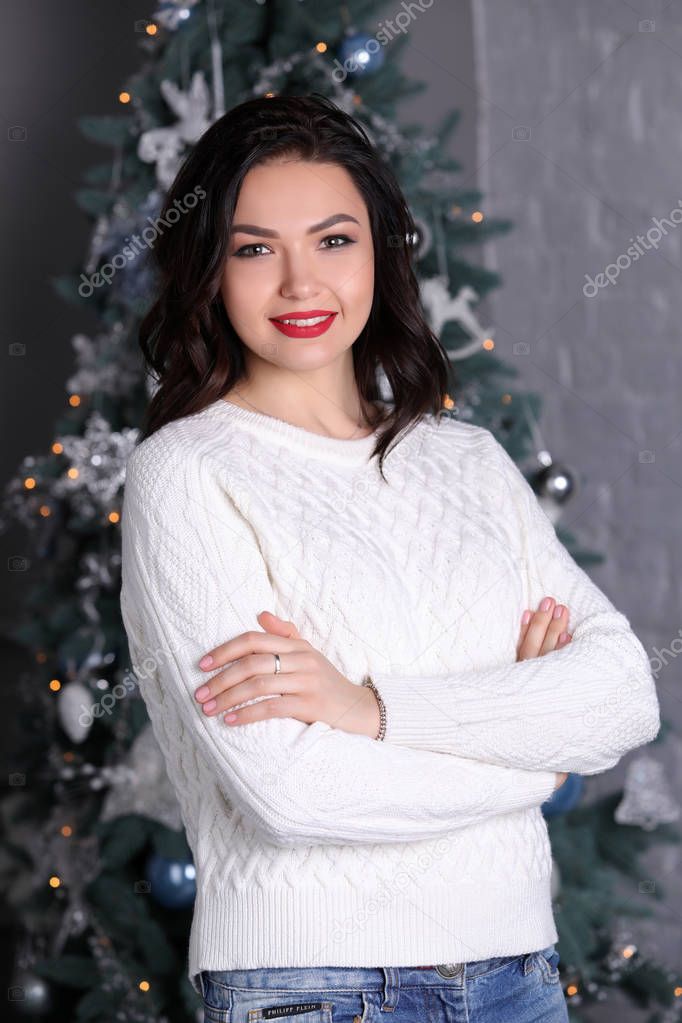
343, 237
246, 251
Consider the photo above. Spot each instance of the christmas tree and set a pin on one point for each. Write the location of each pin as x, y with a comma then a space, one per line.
94, 856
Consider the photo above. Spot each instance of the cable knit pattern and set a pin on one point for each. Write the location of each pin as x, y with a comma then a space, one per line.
314, 846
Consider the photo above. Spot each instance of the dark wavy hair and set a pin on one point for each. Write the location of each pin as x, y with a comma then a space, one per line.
186, 336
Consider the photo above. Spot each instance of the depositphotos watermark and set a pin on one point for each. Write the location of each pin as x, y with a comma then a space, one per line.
131, 679
592, 286
149, 234
410, 10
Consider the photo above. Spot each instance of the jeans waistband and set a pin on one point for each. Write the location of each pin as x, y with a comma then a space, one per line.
364, 978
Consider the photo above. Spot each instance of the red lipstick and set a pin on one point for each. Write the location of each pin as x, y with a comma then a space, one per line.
304, 331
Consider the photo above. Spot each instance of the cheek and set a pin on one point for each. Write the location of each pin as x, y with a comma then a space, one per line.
356, 281
244, 293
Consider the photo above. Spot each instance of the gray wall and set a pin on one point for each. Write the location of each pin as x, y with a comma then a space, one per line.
597, 91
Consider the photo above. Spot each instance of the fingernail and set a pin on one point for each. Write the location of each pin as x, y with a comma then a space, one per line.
563, 637
211, 705
558, 611
525, 618
206, 661
545, 605
202, 693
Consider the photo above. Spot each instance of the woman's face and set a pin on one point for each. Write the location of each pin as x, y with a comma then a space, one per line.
277, 266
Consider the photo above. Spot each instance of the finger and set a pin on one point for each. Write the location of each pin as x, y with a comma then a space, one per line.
525, 622
277, 626
255, 688
284, 707
564, 639
556, 626
530, 647
246, 668
248, 643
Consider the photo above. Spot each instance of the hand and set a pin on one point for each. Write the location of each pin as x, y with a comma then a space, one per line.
308, 688
542, 632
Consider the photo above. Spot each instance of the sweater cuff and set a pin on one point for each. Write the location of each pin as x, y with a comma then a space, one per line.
414, 718
414, 713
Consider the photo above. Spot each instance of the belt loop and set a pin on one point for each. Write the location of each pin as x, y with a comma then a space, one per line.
391, 988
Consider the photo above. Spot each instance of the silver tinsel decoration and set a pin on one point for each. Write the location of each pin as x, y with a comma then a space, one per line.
164, 147
100, 457
647, 796
172, 13
102, 366
140, 785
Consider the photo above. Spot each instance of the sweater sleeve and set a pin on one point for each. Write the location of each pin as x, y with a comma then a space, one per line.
579, 708
193, 576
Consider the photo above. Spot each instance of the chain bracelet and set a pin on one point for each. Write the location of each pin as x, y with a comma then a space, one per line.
367, 681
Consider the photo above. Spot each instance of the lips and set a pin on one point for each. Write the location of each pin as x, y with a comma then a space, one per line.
302, 314
315, 330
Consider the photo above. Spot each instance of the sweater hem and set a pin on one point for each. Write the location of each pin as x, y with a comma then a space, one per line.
260, 929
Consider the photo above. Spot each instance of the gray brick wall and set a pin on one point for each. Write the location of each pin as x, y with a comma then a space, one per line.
596, 85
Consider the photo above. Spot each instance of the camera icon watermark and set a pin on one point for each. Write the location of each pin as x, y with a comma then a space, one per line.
521, 348
17, 133
521, 133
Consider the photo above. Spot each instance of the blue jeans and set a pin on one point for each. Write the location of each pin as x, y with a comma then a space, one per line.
522, 988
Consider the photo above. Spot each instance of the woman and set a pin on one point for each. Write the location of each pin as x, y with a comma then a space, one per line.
360, 848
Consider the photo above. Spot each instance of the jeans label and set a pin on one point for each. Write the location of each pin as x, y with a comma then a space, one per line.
277, 1011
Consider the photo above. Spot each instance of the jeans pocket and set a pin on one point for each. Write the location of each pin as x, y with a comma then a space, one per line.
217, 999
548, 961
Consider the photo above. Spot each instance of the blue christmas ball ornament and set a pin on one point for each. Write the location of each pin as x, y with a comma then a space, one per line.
173, 882
360, 53
565, 798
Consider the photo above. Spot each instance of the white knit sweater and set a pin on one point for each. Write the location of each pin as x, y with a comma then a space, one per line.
314, 846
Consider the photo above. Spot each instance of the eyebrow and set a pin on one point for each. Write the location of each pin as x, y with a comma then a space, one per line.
265, 232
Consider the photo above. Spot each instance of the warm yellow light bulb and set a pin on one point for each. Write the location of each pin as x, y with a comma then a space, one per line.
477, 216
54, 882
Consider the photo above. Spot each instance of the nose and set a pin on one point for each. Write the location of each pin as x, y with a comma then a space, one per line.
299, 278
